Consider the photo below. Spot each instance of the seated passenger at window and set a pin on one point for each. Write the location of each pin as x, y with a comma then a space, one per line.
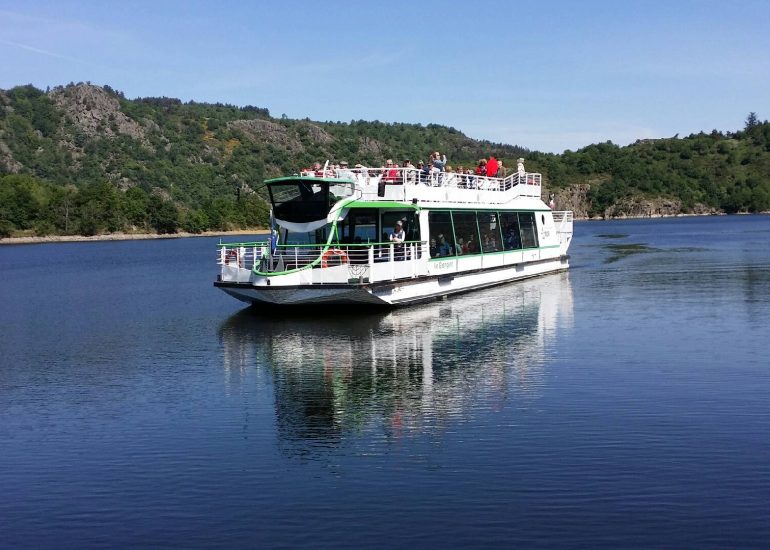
443, 247
460, 246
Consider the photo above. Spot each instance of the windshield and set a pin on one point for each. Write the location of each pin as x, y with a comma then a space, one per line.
305, 200
318, 236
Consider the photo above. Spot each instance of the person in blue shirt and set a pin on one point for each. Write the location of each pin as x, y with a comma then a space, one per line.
438, 161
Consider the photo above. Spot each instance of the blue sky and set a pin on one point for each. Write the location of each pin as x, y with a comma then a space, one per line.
547, 75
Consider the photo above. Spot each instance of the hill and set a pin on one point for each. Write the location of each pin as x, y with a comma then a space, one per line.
83, 159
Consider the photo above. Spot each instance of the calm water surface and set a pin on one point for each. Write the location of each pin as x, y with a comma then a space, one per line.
622, 404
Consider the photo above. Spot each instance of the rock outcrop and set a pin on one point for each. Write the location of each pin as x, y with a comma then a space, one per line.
267, 131
95, 112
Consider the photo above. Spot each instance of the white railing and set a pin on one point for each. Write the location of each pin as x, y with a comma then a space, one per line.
564, 228
242, 255
527, 184
336, 263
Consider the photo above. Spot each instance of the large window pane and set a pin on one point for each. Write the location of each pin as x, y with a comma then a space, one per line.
441, 234
510, 225
466, 232
359, 227
409, 222
489, 225
528, 229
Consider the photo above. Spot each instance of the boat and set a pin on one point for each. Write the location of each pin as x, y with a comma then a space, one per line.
395, 236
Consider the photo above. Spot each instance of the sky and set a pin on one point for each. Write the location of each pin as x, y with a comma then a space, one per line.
546, 75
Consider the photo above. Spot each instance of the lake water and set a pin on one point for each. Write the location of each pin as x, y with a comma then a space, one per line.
625, 403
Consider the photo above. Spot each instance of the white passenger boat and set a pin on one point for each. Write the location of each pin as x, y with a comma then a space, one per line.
335, 239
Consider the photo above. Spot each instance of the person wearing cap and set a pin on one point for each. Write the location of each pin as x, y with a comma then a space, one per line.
344, 171
410, 172
398, 236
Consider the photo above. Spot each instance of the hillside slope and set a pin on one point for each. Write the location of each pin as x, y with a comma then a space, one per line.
83, 159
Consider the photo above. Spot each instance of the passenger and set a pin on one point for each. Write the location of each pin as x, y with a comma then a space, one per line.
398, 237
410, 172
520, 169
421, 173
492, 167
501, 173
362, 174
433, 248
390, 172
481, 169
437, 161
443, 247
430, 173
318, 170
460, 246
470, 245
344, 172
461, 180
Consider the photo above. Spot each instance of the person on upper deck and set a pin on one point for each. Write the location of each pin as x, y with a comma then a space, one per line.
492, 167
410, 174
425, 170
390, 173
438, 161
481, 169
520, 168
344, 172
501, 172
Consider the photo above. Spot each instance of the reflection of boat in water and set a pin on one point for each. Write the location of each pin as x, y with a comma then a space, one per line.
404, 369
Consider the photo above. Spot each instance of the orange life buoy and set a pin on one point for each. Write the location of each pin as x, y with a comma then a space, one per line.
333, 252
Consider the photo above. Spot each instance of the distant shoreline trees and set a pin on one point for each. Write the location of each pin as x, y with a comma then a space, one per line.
83, 159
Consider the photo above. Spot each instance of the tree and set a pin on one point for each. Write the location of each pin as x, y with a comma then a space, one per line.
751, 121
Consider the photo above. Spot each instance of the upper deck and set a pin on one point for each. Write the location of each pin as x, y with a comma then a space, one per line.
413, 185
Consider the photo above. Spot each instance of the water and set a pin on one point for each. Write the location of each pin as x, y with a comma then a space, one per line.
621, 404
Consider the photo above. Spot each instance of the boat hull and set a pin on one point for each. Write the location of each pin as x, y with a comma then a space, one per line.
390, 293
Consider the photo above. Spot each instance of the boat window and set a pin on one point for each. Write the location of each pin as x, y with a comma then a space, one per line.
441, 234
408, 220
489, 227
528, 229
466, 232
359, 227
318, 236
509, 223
299, 201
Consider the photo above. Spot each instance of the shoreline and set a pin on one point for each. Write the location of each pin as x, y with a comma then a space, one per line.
258, 231
126, 237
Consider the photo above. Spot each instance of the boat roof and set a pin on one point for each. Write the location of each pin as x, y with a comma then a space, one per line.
309, 178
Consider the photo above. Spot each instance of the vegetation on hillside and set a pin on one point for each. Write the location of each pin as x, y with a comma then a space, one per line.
82, 159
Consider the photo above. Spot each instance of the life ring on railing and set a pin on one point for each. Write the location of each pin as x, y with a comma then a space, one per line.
331, 253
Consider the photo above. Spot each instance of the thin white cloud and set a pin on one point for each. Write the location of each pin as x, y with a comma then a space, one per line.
43, 52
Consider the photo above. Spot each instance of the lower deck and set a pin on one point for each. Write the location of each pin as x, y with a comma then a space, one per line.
394, 291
